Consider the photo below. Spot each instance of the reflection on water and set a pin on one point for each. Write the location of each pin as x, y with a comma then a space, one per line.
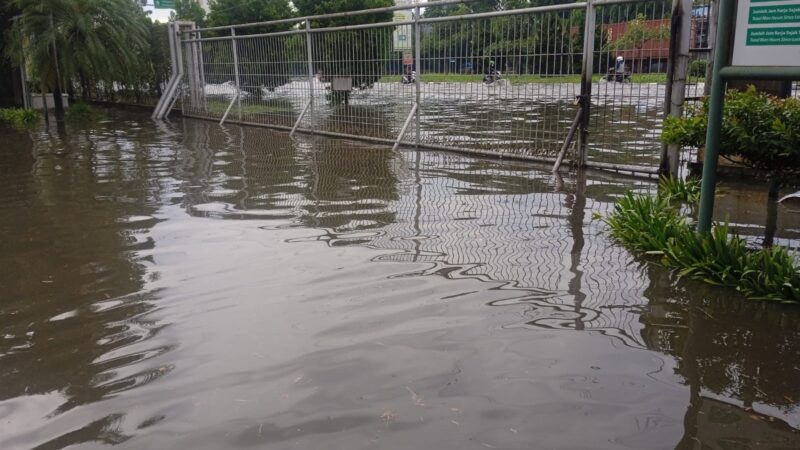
186, 285
530, 119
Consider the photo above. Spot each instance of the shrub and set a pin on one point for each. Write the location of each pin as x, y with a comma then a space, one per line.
679, 189
697, 68
762, 130
654, 226
644, 223
81, 112
19, 118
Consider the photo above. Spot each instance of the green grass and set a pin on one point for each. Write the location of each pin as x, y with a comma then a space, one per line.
520, 79
654, 225
19, 118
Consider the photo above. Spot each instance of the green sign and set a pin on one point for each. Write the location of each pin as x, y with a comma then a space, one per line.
774, 14
164, 4
773, 36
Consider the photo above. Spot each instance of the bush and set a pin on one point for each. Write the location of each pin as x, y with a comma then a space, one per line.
679, 189
81, 112
697, 68
18, 117
654, 226
761, 130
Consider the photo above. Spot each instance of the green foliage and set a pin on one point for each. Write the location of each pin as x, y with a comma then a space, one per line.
506, 40
358, 54
655, 226
231, 12
81, 112
259, 61
645, 223
762, 130
99, 39
189, 10
697, 68
18, 117
637, 32
679, 190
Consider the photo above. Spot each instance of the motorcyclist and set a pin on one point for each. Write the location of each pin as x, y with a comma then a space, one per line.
491, 73
410, 76
619, 66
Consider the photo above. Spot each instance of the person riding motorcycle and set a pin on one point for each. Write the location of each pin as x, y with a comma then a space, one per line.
618, 73
410, 76
492, 74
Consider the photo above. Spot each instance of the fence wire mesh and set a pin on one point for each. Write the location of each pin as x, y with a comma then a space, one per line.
503, 82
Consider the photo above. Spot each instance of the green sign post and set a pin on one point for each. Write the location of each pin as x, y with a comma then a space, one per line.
164, 4
766, 47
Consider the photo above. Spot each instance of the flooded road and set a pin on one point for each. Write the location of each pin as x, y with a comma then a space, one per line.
184, 285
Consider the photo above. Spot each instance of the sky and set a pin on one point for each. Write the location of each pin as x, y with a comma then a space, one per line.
161, 15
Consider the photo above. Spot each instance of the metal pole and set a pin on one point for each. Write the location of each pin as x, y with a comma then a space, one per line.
310, 59
586, 81
709, 183
405, 126
300, 117
713, 18
677, 69
418, 65
567, 141
225, 116
236, 72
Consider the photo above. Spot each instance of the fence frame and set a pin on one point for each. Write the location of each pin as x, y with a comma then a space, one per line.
187, 34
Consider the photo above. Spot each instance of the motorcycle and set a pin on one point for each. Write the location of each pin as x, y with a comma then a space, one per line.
618, 77
494, 79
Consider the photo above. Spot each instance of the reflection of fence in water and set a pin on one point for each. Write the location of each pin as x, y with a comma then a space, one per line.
356, 77
495, 221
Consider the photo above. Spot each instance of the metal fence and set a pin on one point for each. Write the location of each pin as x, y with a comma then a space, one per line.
506, 83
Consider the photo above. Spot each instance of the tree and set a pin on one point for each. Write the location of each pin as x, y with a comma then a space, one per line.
261, 60
189, 10
65, 40
358, 54
234, 12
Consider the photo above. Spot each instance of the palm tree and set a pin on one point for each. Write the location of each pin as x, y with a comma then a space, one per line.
65, 40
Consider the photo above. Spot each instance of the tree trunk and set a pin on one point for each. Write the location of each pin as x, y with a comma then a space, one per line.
58, 102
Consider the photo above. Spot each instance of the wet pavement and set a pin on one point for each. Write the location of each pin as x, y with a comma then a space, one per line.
186, 285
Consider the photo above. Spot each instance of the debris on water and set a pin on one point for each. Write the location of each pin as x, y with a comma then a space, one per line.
414, 396
389, 415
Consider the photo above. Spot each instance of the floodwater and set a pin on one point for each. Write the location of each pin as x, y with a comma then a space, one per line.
530, 119
186, 285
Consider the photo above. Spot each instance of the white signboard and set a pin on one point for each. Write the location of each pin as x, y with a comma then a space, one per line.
767, 33
402, 33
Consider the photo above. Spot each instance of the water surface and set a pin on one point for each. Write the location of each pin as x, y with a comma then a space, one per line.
186, 285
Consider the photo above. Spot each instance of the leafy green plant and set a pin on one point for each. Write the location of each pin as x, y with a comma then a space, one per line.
679, 189
759, 130
697, 68
19, 118
645, 223
82, 112
654, 225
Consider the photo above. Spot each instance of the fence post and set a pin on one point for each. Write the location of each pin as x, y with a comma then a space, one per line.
587, 70
677, 68
713, 17
236, 73
418, 65
310, 60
